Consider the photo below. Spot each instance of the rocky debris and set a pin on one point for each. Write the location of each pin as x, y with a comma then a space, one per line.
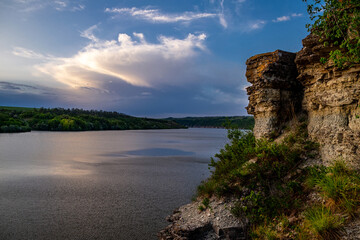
332, 100
216, 222
351, 231
275, 95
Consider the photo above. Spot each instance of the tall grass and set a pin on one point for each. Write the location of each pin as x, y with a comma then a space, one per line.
323, 222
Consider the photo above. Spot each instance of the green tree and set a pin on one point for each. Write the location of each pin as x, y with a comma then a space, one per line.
337, 23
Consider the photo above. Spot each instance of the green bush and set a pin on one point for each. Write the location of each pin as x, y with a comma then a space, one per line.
337, 23
254, 170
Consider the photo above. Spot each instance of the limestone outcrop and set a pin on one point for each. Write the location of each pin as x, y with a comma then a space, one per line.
275, 95
286, 84
331, 100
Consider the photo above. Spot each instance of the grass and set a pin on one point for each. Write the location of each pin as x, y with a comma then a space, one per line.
339, 186
205, 204
324, 222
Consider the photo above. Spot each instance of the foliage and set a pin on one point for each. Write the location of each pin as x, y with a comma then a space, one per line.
337, 23
205, 204
277, 196
254, 170
59, 119
278, 228
324, 222
243, 122
339, 185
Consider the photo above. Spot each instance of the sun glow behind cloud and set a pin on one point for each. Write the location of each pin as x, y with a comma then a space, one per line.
153, 66
129, 59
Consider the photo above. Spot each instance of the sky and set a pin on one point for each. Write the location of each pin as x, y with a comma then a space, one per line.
158, 58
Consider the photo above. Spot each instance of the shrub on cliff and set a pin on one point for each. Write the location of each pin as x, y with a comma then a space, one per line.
337, 23
281, 200
255, 171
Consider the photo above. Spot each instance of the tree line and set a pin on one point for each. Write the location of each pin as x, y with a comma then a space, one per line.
59, 119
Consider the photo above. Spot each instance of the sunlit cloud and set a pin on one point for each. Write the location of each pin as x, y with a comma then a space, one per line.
156, 16
134, 75
129, 58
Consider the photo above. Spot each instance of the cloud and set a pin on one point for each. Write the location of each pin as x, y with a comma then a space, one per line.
287, 18
222, 20
258, 24
296, 14
88, 33
9, 86
26, 53
155, 15
282, 19
129, 59
35, 5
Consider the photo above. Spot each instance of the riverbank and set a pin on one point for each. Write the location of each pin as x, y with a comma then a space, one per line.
14, 119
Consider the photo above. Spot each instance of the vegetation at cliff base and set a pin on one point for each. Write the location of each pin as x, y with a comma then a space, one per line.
337, 23
282, 200
242, 122
14, 119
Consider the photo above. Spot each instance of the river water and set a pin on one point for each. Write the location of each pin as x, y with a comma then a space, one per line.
99, 185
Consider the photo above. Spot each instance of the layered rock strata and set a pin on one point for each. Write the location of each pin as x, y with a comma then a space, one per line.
275, 95
331, 99
284, 84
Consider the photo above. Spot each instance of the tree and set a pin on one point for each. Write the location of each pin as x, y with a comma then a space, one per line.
337, 23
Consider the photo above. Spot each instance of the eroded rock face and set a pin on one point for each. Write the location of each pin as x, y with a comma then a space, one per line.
275, 95
284, 84
331, 99
216, 222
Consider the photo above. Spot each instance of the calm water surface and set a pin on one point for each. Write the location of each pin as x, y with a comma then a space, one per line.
99, 185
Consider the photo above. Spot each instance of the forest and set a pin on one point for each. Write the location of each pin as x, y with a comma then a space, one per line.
16, 119
242, 122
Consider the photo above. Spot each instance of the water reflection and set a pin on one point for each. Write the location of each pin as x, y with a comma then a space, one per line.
99, 185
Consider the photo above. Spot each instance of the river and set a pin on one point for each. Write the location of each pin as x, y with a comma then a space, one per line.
101, 184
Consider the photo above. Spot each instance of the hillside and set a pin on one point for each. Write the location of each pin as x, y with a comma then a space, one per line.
242, 122
19, 119
297, 175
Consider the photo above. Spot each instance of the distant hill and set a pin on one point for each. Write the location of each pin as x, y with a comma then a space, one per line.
19, 119
242, 122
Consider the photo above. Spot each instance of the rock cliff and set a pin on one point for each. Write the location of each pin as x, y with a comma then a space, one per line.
331, 99
286, 84
286, 87
275, 95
